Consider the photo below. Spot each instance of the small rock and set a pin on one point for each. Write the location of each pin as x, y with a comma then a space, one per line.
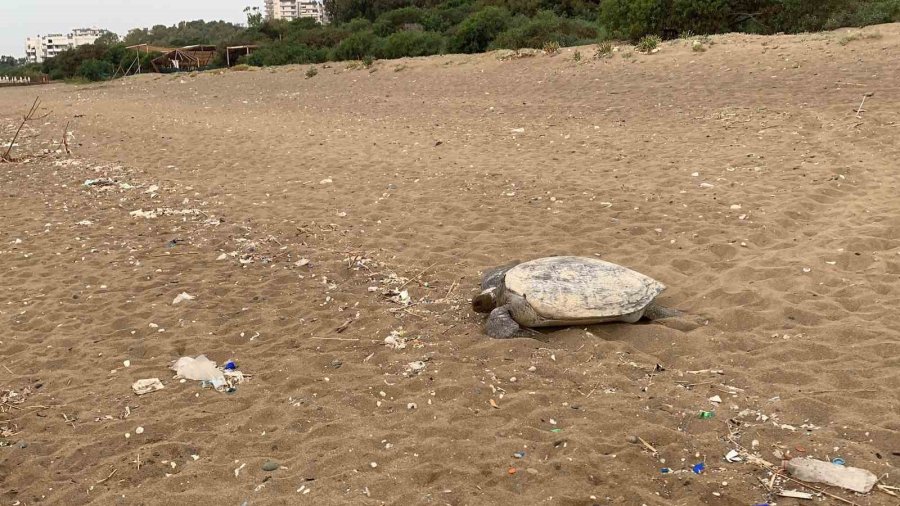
632, 439
270, 465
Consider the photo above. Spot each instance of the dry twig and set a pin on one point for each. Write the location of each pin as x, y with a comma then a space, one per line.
30, 116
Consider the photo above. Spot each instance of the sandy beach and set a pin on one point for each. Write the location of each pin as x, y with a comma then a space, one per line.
748, 178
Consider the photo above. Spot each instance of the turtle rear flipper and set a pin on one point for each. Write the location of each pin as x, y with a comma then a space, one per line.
501, 325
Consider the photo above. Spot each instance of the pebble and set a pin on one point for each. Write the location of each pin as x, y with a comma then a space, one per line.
373, 465
532, 369
270, 465
411, 406
632, 439
139, 430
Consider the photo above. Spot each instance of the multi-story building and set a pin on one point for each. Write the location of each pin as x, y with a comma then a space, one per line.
295, 9
40, 48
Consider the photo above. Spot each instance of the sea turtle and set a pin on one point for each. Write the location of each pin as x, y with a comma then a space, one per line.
565, 290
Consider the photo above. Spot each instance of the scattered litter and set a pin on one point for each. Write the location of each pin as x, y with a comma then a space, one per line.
401, 297
237, 471
519, 455
796, 494
183, 296
716, 399
698, 468
665, 470
145, 386
838, 461
155, 213
733, 456
706, 415
301, 262
204, 370
103, 181
395, 341
415, 367
818, 471
230, 365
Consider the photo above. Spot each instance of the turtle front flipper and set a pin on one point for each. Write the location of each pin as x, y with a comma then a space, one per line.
501, 325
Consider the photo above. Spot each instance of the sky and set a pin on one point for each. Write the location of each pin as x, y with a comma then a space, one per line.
27, 18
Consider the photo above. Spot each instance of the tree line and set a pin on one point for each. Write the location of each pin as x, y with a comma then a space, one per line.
369, 29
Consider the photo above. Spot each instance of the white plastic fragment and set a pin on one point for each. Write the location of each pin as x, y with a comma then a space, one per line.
796, 494
145, 386
819, 471
733, 456
181, 297
395, 341
716, 399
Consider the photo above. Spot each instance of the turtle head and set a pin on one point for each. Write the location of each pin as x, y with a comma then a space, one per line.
486, 301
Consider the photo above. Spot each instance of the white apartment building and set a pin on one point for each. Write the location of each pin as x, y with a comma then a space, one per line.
295, 9
40, 48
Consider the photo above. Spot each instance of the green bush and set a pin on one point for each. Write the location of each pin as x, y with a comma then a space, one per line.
285, 53
96, 70
631, 19
356, 46
358, 25
410, 43
476, 32
648, 43
394, 21
544, 28
701, 16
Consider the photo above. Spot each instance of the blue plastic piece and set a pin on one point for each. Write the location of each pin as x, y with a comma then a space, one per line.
839, 461
665, 470
698, 468
230, 365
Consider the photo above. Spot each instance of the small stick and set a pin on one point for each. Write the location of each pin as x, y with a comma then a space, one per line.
66, 139
108, 477
417, 276
450, 290
334, 339
867, 95
888, 490
7, 369
344, 326
647, 445
175, 254
839, 498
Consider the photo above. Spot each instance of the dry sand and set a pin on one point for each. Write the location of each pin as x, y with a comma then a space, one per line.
742, 177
